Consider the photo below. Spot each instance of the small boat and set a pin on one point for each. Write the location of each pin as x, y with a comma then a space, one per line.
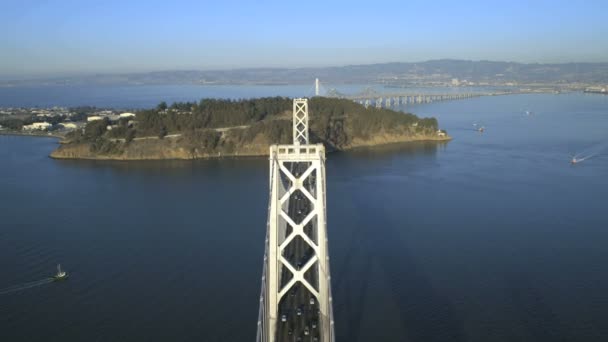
575, 160
61, 275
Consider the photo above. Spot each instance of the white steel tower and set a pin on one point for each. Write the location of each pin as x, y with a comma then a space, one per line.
296, 284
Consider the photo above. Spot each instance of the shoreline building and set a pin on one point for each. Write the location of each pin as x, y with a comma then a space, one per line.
40, 126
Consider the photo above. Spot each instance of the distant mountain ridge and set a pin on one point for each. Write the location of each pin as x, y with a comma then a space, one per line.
428, 71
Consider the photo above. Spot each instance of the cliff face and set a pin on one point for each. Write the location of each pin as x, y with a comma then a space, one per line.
136, 150
175, 148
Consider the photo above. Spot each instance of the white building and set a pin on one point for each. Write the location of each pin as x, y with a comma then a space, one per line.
69, 125
126, 115
37, 126
94, 118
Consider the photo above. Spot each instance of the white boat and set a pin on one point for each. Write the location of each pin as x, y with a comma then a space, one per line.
61, 275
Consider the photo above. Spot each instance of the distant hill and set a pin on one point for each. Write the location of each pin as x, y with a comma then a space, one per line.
429, 71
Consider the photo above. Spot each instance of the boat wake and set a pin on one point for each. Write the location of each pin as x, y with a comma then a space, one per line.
583, 158
589, 153
25, 286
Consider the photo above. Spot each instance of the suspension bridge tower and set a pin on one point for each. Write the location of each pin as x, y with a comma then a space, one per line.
296, 298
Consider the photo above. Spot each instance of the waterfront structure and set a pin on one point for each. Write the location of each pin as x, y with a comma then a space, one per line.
296, 300
596, 89
41, 126
68, 125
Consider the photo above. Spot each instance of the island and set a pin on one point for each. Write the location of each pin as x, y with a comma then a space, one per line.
215, 128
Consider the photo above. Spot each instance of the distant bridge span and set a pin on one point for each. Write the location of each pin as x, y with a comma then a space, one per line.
395, 99
388, 100
370, 97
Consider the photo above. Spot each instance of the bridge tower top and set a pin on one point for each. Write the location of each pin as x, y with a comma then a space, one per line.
300, 121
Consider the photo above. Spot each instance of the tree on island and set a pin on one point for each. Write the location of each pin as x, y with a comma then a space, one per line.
162, 106
130, 135
14, 124
162, 132
95, 129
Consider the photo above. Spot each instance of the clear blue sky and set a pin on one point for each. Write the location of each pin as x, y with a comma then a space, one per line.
47, 37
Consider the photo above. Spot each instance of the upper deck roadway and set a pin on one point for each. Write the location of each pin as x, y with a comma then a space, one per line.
299, 307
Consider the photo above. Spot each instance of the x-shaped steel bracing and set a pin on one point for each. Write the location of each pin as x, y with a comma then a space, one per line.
297, 183
300, 121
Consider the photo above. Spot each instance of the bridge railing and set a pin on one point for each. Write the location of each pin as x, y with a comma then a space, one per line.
331, 306
262, 334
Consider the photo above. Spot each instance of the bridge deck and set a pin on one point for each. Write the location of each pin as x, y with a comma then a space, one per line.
305, 325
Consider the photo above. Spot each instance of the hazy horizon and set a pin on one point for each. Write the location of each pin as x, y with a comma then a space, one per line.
63, 38
60, 75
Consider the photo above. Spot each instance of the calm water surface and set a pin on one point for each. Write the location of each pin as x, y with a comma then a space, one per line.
491, 237
147, 96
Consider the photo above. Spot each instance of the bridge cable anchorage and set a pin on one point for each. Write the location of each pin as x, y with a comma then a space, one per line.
296, 298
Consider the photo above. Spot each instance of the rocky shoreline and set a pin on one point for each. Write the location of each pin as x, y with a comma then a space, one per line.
171, 149
36, 134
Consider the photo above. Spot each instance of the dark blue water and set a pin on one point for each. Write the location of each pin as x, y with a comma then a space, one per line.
147, 96
491, 237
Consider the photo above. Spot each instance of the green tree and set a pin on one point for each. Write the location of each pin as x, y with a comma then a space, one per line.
162, 106
162, 132
130, 135
96, 129
12, 123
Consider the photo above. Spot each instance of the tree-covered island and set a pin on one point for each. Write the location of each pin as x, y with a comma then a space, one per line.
216, 128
